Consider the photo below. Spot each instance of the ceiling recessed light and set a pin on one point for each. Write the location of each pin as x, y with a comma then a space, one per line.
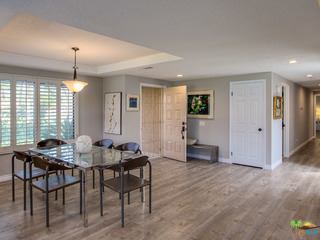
179, 75
293, 61
309, 75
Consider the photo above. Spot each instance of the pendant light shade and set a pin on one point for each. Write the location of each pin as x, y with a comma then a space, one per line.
75, 85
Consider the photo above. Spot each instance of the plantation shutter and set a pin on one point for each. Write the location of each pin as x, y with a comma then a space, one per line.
25, 113
5, 113
67, 114
48, 110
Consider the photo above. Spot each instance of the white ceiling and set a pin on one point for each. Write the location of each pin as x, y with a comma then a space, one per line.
199, 39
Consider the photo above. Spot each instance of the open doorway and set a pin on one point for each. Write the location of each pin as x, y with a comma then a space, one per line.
151, 120
317, 116
162, 121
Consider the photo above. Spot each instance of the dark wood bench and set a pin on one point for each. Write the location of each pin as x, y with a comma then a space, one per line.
213, 151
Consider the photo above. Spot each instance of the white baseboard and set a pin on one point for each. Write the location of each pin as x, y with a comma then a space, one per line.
206, 157
225, 160
273, 165
4, 178
300, 146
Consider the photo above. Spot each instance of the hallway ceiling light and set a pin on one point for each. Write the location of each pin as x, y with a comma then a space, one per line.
75, 85
309, 75
293, 61
179, 75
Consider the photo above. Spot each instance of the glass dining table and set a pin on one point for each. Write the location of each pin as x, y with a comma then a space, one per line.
98, 157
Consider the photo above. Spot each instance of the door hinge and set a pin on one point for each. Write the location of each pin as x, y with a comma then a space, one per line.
231, 94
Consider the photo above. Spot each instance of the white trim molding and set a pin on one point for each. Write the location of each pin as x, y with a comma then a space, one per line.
225, 160
273, 165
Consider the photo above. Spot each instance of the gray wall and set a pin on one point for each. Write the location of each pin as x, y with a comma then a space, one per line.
216, 131
90, 105
130, 120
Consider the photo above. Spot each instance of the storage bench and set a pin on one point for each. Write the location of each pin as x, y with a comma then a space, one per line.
213, 150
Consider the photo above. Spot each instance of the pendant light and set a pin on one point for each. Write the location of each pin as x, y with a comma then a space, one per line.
75, 85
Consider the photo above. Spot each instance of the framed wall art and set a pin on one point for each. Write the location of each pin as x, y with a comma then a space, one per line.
132, 102
277, 107
112, 112
201, 104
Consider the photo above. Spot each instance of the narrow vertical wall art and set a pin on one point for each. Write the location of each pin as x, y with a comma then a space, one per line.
112, 113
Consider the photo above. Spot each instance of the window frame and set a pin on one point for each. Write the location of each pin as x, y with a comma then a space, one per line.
37, 80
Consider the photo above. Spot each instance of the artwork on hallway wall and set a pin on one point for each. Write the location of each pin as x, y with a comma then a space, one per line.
112, 112
132, 102
201, 104
277, 107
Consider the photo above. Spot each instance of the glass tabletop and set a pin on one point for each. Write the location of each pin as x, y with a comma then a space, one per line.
98, 156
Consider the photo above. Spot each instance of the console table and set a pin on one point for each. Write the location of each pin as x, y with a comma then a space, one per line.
213, 150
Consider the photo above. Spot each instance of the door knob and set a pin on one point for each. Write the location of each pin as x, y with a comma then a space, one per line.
259, 129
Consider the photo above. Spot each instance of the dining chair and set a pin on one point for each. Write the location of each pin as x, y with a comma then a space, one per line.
108, 143
47, 143
129, 146
104, 143
24, 174
52, 142
126, 183
52, 183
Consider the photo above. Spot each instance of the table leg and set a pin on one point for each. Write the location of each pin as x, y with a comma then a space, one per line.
85, 199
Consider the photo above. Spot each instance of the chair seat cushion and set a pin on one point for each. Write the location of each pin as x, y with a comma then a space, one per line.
36, 172
130, 183
56, 182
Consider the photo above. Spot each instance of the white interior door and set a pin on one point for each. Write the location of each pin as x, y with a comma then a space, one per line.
247, 123
175, 117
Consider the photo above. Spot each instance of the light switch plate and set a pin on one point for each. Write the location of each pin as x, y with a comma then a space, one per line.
202, 123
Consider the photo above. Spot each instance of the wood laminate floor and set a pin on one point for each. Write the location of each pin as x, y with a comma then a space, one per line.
195, 200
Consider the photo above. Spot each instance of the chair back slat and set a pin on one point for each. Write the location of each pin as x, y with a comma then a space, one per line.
134, 163
43, 164
22, 156
50, 143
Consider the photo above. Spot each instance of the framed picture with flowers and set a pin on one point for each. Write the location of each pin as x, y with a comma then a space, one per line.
201, 104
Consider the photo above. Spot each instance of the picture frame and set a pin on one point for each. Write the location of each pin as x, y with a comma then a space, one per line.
133, 102
277, 107
113, 113
200, 104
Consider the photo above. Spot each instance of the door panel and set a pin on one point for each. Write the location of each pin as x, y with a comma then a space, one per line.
175, 115
247, 111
